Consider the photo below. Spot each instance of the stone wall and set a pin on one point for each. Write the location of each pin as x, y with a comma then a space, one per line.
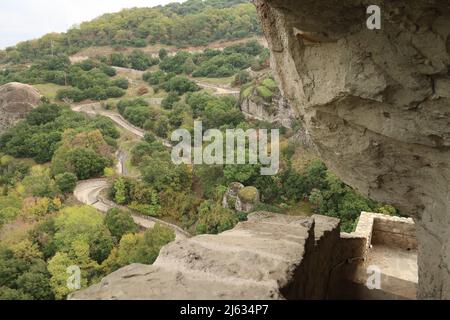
394, 232
270, 256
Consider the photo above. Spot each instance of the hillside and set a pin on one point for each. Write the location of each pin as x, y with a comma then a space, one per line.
185, 24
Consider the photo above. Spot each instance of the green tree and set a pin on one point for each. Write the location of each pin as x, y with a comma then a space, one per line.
162, 53
169, 100
58, 266
119, 223
120, 191
66, 182
39, 183
213, 218
84, 163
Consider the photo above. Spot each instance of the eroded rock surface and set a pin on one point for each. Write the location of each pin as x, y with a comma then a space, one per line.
270, 256
376, 105
16, 100
277, 110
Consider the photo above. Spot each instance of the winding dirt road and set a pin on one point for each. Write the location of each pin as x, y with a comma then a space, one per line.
95, 108
218, 89
89, 192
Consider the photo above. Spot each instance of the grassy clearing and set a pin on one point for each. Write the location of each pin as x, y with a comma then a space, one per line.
49, 89
303, 208
216, 81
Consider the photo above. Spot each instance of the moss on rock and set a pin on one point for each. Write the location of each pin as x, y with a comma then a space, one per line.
249, 194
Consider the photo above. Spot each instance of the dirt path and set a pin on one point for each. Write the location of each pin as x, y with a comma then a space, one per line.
89, 191
218, 89
95, 108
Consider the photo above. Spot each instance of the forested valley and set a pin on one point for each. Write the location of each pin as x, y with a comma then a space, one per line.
156, 70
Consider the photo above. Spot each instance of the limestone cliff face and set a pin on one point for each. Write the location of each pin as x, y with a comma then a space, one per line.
376, 104
277, 110
16, 100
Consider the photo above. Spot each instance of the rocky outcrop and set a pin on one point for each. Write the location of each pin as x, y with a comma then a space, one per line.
16, 100
277, 110
270, 256
376, 105
240, 198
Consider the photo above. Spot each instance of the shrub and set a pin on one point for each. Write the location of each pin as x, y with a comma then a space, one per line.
120, 222
66, 182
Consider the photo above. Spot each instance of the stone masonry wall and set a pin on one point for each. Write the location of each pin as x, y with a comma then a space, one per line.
270, 256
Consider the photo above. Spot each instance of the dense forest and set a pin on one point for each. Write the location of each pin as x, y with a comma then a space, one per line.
179, 24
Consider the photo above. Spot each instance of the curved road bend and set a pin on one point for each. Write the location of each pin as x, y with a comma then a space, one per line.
94, 108
88, 192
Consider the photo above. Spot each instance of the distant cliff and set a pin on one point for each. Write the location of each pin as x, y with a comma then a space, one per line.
262, 100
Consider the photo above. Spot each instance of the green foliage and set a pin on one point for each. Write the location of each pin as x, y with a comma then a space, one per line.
121, 83
248, 194
176, 63
338, 200
138, 248
42, 236
120, 222
184, 24
84, 163
162, 174
269, 84
162, 53
298, 185
39, 183
23, 273
77, 223
138, 195
12, 170
241, 78
120, 192
40, 134
66, 182
137, 111
198, 101
118, 60
140, 61
44, 114
213, 218
180, 85
144, 149
168, 102
156, 78
264, 92
222, 112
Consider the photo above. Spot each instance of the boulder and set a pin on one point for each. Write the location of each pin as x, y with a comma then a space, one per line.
240, 198
16, 100
247, 198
